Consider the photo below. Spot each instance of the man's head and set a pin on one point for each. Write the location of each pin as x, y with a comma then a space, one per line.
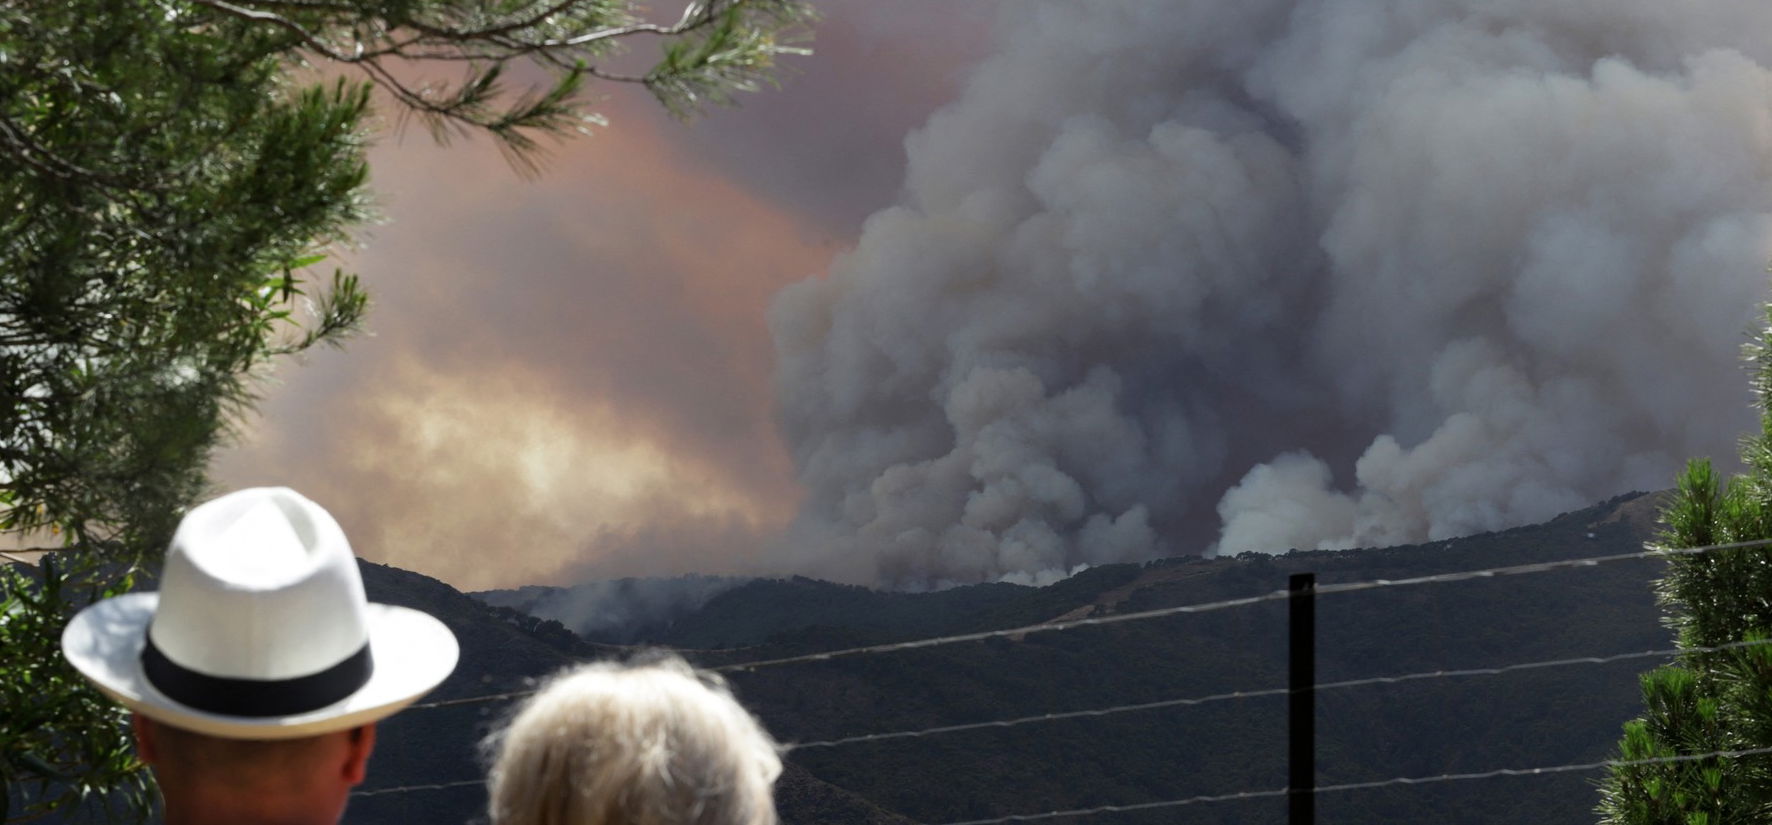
292, 781
259, 664
650, 743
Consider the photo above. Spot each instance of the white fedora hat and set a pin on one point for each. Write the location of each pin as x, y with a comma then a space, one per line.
260, 629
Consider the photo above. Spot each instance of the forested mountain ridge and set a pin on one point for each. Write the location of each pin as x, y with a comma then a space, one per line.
1523, 719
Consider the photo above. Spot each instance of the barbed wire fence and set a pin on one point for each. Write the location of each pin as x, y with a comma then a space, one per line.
1022, 631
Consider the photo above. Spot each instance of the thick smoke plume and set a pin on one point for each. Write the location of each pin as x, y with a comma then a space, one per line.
1179, 276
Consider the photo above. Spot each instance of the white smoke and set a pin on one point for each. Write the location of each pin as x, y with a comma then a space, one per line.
618, 610
1287, 273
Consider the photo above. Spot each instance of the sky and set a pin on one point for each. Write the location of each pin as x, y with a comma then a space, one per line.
569, 376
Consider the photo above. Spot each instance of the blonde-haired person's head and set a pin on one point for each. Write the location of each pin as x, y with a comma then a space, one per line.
653, 742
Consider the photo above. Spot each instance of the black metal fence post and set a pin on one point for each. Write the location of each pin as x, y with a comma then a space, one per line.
1302, 709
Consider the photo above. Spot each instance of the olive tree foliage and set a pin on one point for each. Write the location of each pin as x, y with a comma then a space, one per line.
1717, 695
172, 173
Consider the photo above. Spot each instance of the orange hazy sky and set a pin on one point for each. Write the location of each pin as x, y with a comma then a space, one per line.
570, 377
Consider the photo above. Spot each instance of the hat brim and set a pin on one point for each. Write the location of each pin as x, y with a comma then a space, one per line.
413, 652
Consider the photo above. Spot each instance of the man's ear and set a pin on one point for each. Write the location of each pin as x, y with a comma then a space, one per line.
362, 743
147, 748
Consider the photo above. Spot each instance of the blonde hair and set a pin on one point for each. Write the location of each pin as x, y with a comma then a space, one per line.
653, 742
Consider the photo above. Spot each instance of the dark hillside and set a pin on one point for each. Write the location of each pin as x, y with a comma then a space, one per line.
1543, 717
1523, 719
755, 611
503, 650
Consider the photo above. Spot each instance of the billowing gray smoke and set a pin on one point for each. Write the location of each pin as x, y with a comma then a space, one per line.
1187, 275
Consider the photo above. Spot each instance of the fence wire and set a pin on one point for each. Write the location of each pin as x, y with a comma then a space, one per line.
1274, 596
1207, 607
1272, 692
1158, 613
1362, 786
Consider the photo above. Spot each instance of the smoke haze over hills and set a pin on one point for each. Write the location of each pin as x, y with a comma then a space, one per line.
1161, 277
569, 377
1285, 273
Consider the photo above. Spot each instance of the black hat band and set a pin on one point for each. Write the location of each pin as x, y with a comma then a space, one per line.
256, 697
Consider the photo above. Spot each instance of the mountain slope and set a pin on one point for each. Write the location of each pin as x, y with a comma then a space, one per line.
1543, 717
506, 651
